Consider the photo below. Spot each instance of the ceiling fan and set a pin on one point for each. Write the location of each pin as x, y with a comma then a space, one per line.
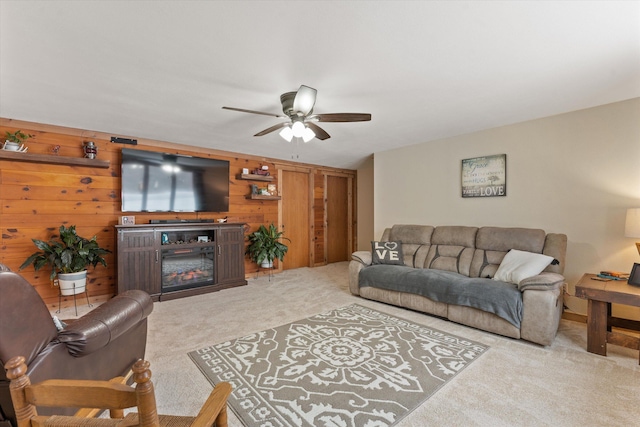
298, 108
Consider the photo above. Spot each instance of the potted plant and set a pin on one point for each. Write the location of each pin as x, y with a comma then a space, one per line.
68, 256
13, 140
265, 245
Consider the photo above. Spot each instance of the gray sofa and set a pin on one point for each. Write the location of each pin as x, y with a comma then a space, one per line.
448, 271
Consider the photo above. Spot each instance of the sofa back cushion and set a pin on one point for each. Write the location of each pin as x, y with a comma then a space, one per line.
555, 245
452, 249
473, 251
493, 243
416, 241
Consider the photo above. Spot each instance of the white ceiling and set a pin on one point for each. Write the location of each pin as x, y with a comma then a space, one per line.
425, 70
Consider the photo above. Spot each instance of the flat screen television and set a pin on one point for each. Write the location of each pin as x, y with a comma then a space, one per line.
162, 182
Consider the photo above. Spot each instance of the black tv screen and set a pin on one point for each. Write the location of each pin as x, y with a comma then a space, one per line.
161, 182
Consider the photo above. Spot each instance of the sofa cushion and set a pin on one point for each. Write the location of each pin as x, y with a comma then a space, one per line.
519, 265
416, 241
555, 245
418, 234
493, 243
452, 249
542, 282
505, 239
363, 257
387, 253
500, 298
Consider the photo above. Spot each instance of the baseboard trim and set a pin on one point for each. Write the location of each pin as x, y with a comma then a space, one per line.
575, 317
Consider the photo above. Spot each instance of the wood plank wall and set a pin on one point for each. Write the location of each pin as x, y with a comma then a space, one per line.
319, 219
36, 198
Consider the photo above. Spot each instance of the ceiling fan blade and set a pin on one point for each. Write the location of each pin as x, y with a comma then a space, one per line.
341, 117
271, 129
242, 110
305, 100
321, 134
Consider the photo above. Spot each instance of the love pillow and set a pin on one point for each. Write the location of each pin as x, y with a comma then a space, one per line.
387, 253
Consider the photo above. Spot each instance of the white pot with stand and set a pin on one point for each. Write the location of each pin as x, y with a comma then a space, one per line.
11, 146
72, 284
267, 265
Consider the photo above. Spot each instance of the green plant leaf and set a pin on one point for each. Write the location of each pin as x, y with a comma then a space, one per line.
70, 253
264, 244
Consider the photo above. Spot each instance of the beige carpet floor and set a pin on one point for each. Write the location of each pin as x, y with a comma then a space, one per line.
514, 383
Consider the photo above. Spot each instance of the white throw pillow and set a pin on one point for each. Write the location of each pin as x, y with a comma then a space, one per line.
519, 265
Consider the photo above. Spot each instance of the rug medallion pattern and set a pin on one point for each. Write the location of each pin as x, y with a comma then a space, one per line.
352, 366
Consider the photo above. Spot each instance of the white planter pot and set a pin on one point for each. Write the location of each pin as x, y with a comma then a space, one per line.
266, 264
72, 283
11, 146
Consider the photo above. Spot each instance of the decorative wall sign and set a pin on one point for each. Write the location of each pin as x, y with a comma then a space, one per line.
127, 220
484, 176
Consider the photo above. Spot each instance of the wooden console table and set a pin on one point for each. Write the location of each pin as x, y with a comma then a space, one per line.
600, 296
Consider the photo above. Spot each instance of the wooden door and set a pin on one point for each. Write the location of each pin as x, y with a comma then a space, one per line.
337, 196
295, 218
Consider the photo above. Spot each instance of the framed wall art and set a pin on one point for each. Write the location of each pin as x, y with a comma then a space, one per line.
484, 176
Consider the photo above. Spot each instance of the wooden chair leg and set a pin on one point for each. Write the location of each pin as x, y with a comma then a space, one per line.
148, 413
17, 373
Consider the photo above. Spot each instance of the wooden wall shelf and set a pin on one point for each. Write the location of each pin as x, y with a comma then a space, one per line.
254, 177
56, 160
261, 197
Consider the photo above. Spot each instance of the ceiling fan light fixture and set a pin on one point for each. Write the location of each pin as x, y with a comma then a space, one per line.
287, 133
298, 107
308, 134
298, 128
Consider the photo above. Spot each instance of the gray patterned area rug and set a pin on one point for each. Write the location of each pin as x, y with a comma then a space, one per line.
352, 366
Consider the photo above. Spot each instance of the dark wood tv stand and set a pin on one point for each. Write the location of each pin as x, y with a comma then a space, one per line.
178, 260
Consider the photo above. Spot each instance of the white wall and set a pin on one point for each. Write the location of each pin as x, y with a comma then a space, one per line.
574, 173
365, 206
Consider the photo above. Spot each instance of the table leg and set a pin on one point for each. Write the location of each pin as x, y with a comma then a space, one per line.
597, 327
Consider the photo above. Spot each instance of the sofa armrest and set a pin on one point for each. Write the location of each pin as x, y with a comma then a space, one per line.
542, 282
362, 256
107, 322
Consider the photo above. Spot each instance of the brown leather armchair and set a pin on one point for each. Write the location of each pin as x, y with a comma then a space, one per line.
101, 345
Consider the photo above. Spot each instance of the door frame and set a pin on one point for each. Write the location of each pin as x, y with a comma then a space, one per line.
351, 214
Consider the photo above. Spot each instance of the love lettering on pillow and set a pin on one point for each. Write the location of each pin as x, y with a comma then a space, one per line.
387, 253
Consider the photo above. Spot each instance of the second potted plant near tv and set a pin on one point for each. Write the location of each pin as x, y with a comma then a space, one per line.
15, 141
68, 256
265, 245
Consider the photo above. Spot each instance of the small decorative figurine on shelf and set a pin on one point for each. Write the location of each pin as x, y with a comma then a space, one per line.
263, 171
90, 150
